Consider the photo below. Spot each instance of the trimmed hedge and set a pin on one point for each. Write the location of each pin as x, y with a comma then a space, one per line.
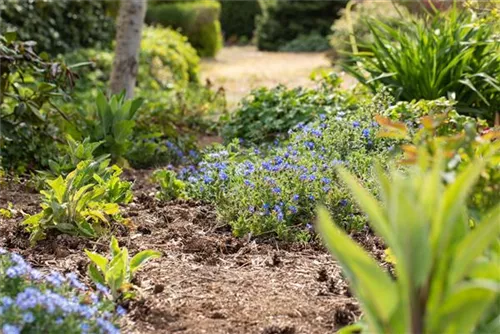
283, 21
198, 20
238, 18
59, 26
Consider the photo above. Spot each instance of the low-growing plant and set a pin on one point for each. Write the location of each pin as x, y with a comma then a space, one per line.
306, 43
454, 53
266, 114
33, 302
82, 202
446, 273
170, 186
118, 271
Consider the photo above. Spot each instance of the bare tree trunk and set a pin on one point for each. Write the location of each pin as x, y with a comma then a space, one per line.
128, 42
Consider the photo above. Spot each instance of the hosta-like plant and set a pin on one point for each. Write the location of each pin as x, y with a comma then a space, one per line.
447, 274
82, 202
118, 272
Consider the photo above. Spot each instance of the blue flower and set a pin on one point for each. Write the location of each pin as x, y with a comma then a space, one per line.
28, 318
355, 124
277, 190
55, 278
295, 197
292, 209
248, 183
311, 197
251, 208
366, 133
343, 202
309, 145
2, 251
120, 311
207, 179
223, 176
280, 216
102, 288
326, 180
309, 226
10, 329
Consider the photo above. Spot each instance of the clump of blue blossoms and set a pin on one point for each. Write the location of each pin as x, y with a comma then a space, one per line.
34, 302
277, 190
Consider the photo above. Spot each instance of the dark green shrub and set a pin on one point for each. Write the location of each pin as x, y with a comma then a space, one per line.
58, 26
454, 53
198, 20
307, 43
29, 86
283, 21
237, 18
269, 113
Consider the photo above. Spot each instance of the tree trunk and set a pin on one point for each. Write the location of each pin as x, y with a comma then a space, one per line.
128, 42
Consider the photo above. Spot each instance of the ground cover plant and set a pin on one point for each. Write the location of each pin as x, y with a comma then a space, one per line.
32, 301
266, 114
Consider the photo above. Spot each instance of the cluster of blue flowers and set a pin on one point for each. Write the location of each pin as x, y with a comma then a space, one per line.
279, 190
31, 300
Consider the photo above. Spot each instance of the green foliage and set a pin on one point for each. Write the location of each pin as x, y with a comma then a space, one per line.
454, 53
29, 85
118, 271
268, 113
198, 20
36, 302
306, 43
237, 18
446, 274
59, 26
283, 21
170, 186
81, 202
354, 20
112, 123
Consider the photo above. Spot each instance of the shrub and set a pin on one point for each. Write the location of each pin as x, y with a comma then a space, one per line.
59, 26
446, 273
80, 203
283, 21
237, 18
306, 43
32, 302
118, 272
30, 84
198, 20
453, 53
277, 193
268, 113
388, 12
170, 187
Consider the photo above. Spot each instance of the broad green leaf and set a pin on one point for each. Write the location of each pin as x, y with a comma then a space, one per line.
59, 187
374, 288
472, 246
94, 274
100, 261
114, 247
141, 258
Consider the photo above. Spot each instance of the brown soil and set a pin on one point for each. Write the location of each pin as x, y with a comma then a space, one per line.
207, 281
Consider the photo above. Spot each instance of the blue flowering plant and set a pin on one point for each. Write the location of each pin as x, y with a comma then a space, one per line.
277, 193
81, 203
36, 302
118, 272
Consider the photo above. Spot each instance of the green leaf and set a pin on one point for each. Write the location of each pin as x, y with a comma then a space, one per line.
59, 187
95, 275
141, 258
100, 261
374, 288
114, 247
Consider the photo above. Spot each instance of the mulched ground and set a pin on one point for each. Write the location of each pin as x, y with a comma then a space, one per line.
207, 281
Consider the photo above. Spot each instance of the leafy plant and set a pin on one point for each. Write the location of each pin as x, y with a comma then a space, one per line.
118, 271
34, 302
306, 43
170, 186
81, 202
266, 114
113, 123
446, 274
453, 53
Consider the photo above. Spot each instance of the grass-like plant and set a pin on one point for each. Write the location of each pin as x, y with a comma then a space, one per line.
455, 53
447, 274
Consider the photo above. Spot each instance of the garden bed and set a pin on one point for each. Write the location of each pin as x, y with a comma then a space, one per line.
207, 281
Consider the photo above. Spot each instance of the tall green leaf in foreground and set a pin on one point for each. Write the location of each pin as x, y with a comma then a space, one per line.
447, 274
